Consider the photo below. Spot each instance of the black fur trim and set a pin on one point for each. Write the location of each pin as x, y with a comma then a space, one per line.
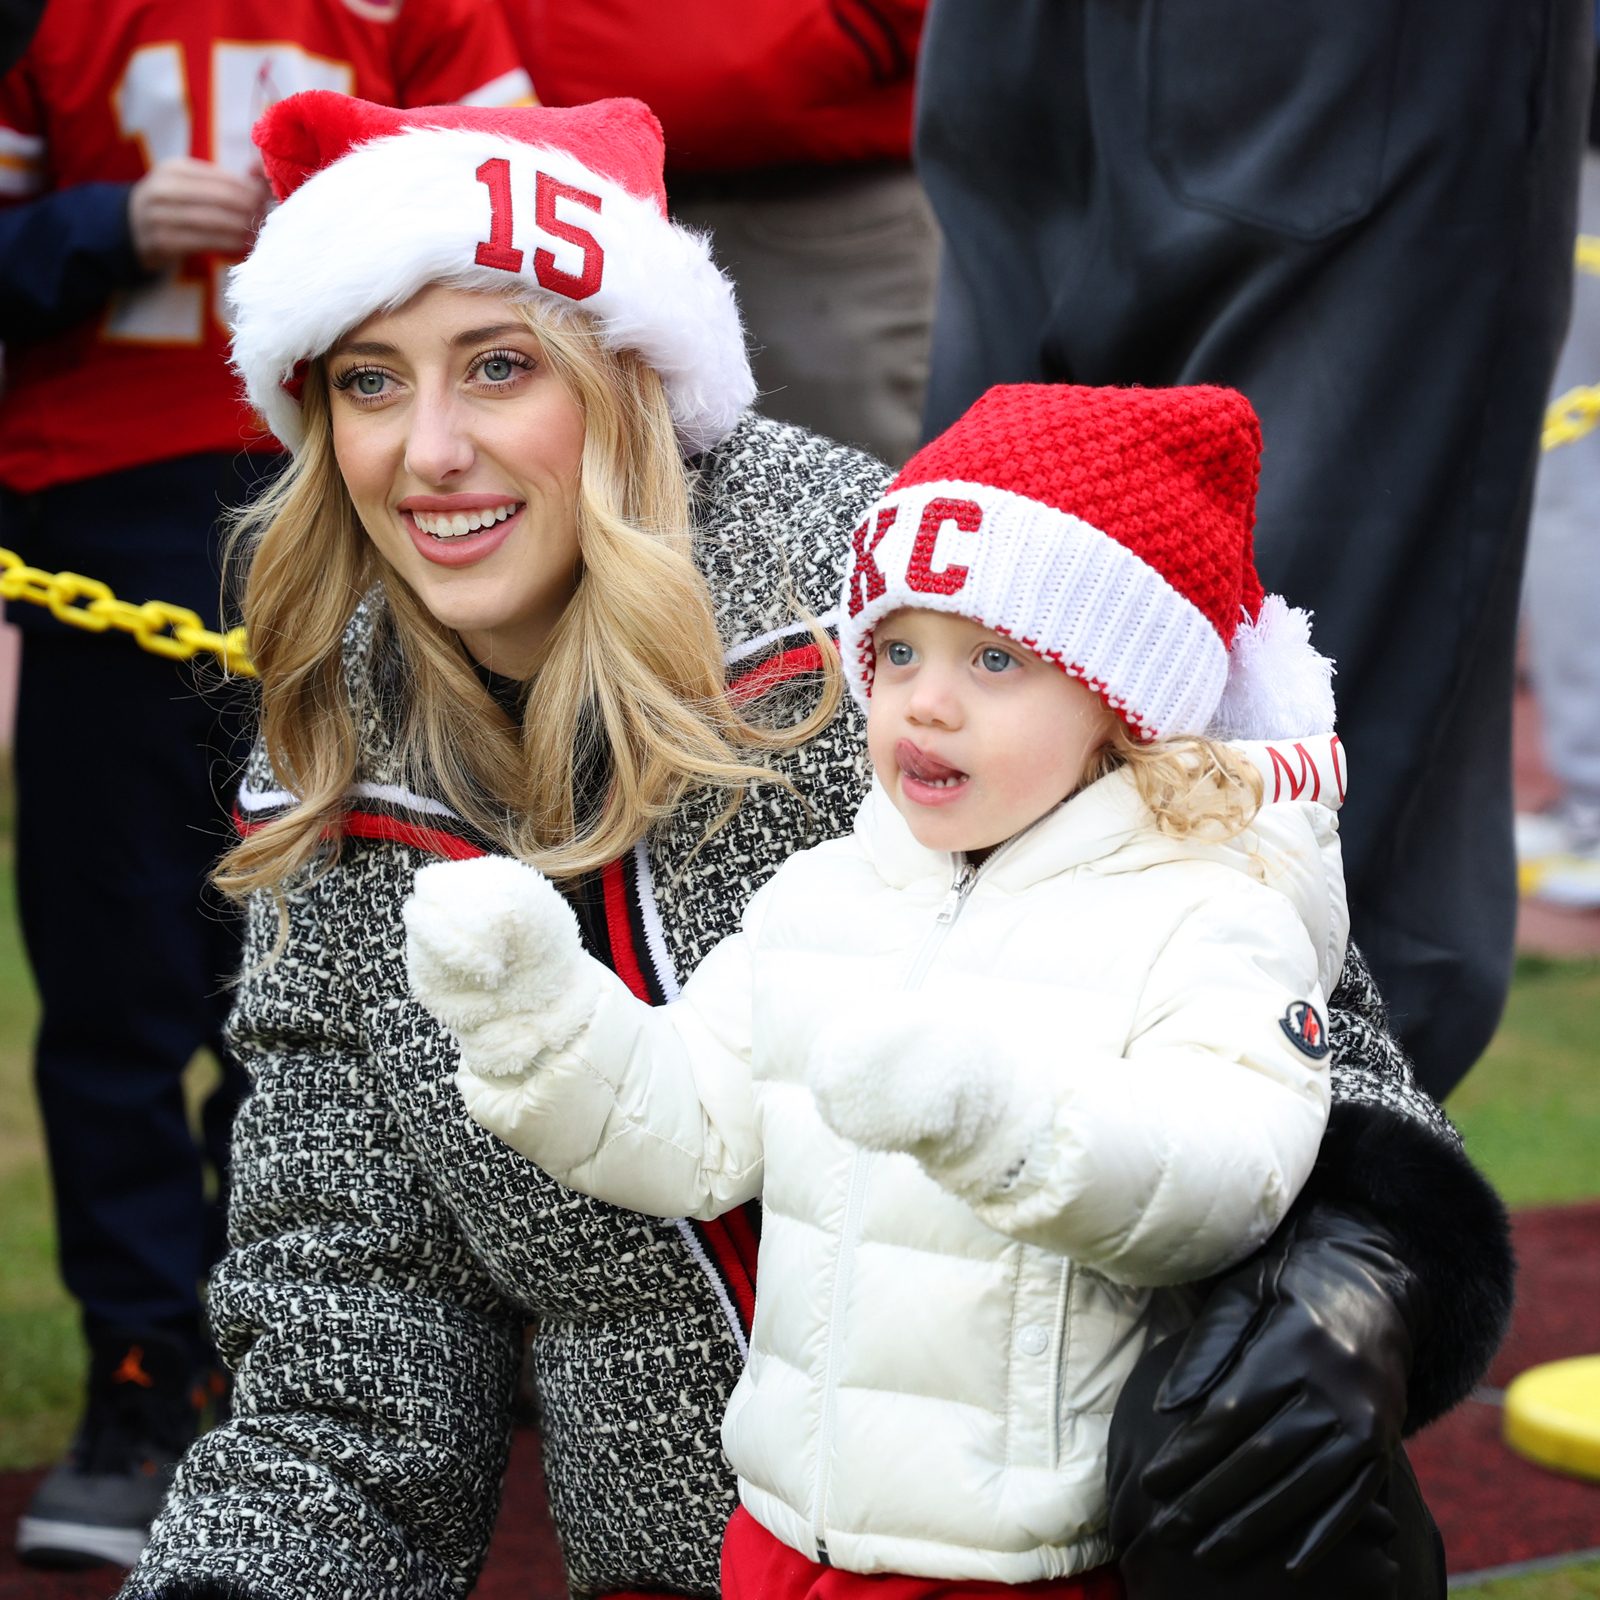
1449, 1227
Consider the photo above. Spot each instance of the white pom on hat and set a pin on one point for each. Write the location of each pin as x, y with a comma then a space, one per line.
532, 202
1276, 678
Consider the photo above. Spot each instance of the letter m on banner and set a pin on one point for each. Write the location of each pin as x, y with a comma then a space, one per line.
1297, 776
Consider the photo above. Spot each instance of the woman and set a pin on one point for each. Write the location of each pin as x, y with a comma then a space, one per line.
517, 400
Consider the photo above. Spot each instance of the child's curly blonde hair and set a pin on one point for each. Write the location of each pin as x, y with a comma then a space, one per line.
1193, 786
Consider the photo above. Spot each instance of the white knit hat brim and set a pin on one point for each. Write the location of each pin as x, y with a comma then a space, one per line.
400, 213
1052, 582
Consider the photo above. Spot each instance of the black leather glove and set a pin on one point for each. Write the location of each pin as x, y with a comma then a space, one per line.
1299, 1361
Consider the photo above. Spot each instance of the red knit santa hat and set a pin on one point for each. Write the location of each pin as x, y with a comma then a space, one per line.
535, 202
1109, 531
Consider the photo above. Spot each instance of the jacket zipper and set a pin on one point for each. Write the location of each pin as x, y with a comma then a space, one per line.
966, 875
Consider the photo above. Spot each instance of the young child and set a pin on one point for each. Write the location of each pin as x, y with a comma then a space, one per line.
1041, 1040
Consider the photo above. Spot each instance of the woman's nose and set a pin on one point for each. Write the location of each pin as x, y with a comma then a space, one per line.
438, 444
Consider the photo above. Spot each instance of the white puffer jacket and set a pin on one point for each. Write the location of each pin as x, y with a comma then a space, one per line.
1097, 1047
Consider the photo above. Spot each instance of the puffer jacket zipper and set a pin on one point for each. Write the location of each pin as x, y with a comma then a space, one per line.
965, 876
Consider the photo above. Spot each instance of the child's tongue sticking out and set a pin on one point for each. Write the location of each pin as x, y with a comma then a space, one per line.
917, 764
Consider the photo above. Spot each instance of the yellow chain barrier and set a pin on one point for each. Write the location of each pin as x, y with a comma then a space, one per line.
164, 630
1576, 413
179, 634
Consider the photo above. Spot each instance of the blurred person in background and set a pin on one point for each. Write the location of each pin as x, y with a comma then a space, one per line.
788, 127
1363, 218
127, 183
1559, 848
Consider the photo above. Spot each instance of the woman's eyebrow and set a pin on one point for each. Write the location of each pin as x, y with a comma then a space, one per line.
376, 347
363, 347
495, 330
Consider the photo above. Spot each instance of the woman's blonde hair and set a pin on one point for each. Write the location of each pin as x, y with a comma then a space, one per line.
631, 690
1192, 786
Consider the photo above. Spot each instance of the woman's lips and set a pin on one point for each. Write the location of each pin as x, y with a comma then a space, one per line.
464, 549
924, 777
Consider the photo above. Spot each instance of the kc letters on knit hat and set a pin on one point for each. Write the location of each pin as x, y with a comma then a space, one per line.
535, 202
1109, 531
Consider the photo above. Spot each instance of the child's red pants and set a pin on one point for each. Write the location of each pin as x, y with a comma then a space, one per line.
756, 1566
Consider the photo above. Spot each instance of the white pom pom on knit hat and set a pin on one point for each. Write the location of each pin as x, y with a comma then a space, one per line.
1111, 532
565, 204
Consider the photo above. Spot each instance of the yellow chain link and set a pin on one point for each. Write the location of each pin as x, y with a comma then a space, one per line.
1576, 413
164, 630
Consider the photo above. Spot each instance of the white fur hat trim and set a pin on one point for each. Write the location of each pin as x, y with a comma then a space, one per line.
388, 219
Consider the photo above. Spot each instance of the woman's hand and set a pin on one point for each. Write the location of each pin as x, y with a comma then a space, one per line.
493, 951
1294, 1379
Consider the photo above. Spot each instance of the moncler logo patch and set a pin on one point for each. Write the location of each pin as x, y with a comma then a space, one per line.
1305, 1029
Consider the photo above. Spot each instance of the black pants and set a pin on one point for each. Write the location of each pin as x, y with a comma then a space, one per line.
1394, 1552
1363, 217
125, 768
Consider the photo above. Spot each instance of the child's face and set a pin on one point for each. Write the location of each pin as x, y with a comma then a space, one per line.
972, 735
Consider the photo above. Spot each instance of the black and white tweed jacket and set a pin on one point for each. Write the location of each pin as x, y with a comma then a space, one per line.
386, 1252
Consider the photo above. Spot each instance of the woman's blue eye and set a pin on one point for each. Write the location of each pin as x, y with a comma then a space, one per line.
995, 659
498, 369
897, 654
369, 384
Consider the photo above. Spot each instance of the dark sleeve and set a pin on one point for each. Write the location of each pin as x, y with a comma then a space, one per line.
1391, 1152
182, 1589
62, 256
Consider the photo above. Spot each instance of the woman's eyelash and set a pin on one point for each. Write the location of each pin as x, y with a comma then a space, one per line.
515, 358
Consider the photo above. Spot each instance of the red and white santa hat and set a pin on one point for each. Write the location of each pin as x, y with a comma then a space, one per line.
536, 202
1109, 531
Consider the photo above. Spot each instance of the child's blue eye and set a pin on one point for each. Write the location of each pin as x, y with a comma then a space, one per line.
897, 653
995, 659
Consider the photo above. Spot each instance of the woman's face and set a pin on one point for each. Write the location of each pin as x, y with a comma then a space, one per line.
460, 449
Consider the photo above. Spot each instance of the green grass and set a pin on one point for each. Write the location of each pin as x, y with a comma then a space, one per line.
41, 1374
1581, 1582
41, 1353
1530, 1110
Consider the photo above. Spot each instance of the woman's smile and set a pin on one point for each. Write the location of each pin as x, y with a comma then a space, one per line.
459, 530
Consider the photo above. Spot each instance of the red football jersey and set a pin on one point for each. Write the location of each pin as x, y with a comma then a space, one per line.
107, 88
737, 84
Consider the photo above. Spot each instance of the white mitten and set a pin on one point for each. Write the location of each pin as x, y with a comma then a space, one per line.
896, 1076
492, 950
